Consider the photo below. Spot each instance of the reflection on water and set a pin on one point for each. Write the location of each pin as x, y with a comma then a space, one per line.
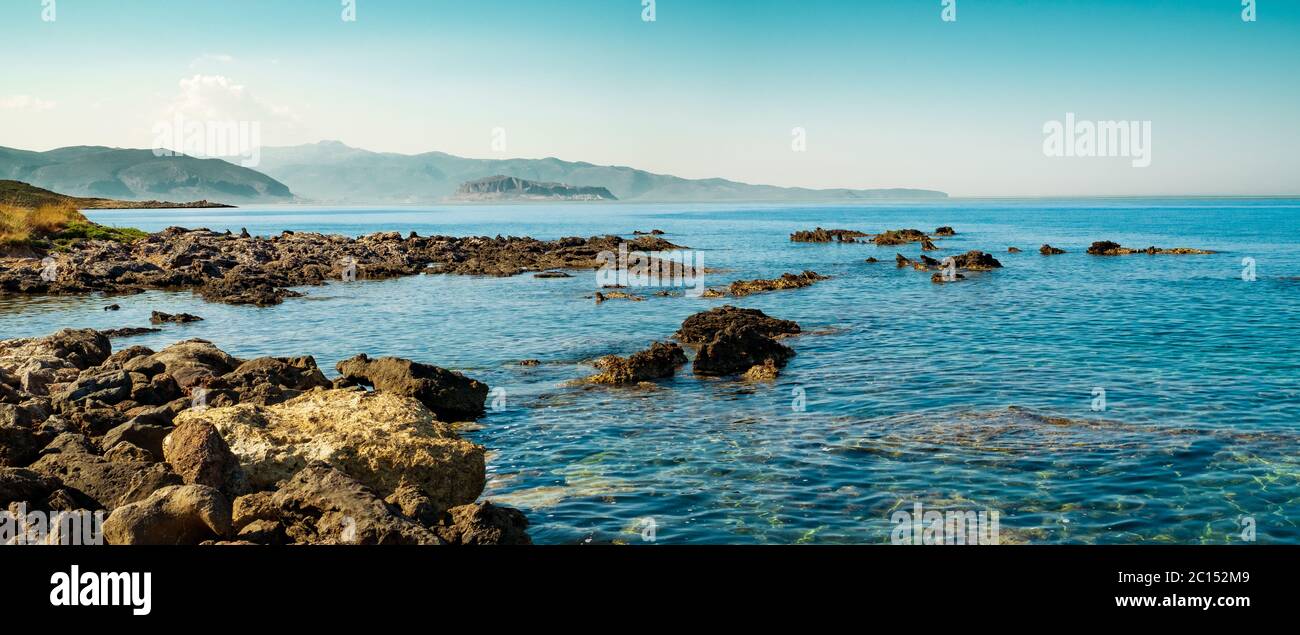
906, 387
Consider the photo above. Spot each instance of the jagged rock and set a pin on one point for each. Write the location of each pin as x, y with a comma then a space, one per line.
377, 438
899, 237
175, 515
657, 362
132, 331
196, 451
264, 532
449, 394
738, 348
415, 504
271, 380
70, 443
322, 505
944, 231
18, 485
126, 452
110, 484
1109, 248
145, 436
820, 235
191, 361
741, 288
1048, 250
484, 524
107, 387
975, 260
766, 371
704, 326
158, 317
154, 391
940, 278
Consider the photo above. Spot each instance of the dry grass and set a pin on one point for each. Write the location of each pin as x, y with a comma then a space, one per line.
19, 225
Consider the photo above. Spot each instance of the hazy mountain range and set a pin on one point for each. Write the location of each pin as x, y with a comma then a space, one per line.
331, 172
138, 175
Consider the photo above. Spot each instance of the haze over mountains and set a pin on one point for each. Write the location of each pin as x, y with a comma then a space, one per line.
331, 172
138, 175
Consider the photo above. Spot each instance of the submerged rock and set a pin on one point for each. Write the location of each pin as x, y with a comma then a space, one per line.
1048, 250
451, 395
1109, 248
158, 317
741, 288
702, 327
657, 362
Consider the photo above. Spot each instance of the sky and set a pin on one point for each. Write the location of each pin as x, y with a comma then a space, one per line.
812, 93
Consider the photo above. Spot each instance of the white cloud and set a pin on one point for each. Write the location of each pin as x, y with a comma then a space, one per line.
218, 98
26, 102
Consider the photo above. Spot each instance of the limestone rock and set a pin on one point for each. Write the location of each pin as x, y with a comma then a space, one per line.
377, 438
175, 515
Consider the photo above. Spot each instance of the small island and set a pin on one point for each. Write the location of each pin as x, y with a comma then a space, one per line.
510, 188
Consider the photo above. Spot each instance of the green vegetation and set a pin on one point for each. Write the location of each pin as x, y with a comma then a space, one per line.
56, 225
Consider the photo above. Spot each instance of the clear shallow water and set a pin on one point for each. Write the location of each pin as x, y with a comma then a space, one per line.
908, 385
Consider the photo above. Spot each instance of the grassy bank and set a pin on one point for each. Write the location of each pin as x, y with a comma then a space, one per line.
55, 226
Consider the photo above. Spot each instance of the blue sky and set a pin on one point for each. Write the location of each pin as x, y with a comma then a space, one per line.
888, 93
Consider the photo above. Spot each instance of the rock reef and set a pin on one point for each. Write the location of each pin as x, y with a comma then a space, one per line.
1109, 248
191, 445
245, 269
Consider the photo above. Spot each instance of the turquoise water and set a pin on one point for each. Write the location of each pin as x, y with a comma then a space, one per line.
907, 386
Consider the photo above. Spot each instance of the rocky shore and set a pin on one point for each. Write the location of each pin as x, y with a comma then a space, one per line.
190, 445
245, 269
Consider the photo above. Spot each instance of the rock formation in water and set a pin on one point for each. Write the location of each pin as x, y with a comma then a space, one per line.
190, 445
509, 188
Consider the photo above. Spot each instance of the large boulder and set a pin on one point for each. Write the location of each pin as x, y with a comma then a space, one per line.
192, 361
737, 349
657, 362
449, 394
145, 436
484, 524
40, 362
19, 485
196, 451
175, 515
110, 484
702, 327
377, 438
322, 505
272, 380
